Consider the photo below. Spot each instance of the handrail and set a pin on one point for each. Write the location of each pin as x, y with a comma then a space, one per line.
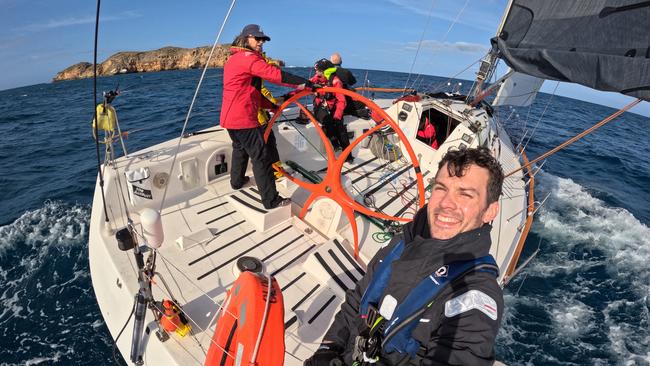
529, 220
384, 90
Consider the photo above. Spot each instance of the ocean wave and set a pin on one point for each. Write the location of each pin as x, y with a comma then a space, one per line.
48, 311
586, 292
55, 225
573, 219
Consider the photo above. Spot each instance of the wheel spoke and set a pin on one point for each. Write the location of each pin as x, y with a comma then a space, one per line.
331, 186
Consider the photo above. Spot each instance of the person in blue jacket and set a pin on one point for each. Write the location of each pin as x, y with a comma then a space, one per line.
459, 325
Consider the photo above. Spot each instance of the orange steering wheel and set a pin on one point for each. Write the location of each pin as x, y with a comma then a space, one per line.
331, 187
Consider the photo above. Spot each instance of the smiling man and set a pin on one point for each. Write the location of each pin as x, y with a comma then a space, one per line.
430, 297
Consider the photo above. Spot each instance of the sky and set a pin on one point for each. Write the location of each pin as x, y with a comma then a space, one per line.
39, 38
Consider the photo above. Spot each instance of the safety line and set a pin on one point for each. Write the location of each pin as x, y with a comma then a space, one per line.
196, 93
577, 137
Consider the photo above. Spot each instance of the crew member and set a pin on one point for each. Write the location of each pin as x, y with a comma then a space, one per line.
344, 74
263, 117
352, 107
242, 80
458, 324
328, 108
427, 133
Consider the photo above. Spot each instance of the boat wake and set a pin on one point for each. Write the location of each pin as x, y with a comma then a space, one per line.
585, 296
48, 312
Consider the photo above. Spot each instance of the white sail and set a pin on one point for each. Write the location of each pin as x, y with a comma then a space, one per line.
518, 90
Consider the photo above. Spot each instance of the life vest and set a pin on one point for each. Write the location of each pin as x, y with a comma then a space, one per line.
262, 114
107, 118
396, 334
242, 316
329, 75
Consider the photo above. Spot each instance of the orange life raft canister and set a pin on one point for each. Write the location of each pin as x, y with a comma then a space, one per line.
240, 321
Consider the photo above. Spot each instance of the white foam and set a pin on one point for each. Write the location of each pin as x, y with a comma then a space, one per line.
97, 323
29, 246
572, 320
572, 217
582, 235
629, 340
55, 224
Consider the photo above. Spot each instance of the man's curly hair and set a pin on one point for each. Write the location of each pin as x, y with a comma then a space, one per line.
458, 161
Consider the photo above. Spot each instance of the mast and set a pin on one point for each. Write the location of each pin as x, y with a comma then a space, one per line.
489, 62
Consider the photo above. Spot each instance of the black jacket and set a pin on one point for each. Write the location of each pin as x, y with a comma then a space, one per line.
346, 76
464, 339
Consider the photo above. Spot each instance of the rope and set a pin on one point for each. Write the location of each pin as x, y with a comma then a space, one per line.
384, 90
196, 93
221, 307
162, 312
417, 52
435, 86
263, 325
541, 116
444, 38
577, 137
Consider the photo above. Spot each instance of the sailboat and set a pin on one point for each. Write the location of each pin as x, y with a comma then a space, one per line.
172, 238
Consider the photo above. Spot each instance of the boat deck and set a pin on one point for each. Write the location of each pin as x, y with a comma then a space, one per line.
219, 225
207, 226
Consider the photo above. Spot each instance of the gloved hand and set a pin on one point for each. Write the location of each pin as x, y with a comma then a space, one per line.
324, 357
311, 86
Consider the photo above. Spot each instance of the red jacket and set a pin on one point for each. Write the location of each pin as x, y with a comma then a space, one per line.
242, 75
429, 133
335, 104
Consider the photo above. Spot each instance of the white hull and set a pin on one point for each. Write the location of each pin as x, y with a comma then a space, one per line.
312, 258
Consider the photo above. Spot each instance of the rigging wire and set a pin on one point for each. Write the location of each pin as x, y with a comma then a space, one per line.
419, 79
122, 330
424, 30
542, 115
196, 93
99, 163
577, 137
435, 86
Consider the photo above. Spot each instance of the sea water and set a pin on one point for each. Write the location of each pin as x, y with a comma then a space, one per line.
582, 300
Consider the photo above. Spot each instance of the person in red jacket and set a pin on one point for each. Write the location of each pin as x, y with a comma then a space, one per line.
242, 81
427, 133
328, 108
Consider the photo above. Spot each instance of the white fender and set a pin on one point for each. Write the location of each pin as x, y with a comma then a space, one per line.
152, 227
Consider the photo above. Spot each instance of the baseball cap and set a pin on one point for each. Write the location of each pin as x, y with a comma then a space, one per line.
254, 30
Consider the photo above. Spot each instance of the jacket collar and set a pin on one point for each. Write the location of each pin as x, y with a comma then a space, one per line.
467, 245
328, 73
236, 49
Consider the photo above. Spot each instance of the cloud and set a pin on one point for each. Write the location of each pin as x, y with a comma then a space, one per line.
448, 11
434, 45
72, 21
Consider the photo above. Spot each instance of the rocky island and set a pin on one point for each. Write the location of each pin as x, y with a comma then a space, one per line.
166, 58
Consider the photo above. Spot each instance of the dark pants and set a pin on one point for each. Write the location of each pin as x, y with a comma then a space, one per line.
247, 143
334, 129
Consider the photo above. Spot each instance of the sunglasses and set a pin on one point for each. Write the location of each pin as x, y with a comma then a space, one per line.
259, 39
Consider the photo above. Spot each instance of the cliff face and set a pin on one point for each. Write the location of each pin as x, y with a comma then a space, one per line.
167, 58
